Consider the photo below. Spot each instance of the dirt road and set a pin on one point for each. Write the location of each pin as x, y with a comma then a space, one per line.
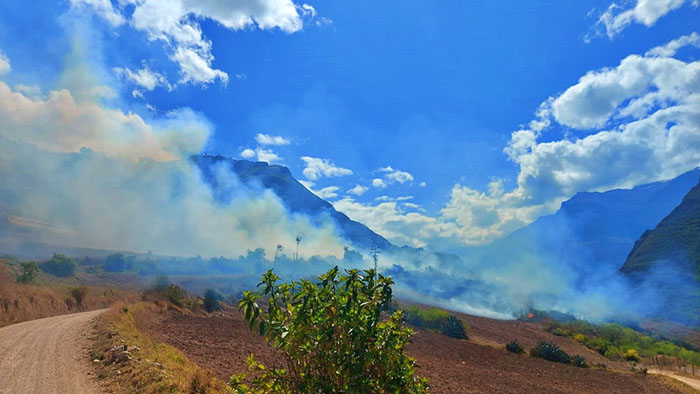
47, 356
694, 383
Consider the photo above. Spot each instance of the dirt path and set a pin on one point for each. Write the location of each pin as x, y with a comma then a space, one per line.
694, 383
46, 356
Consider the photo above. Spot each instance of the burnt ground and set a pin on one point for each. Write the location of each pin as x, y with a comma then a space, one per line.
222, 341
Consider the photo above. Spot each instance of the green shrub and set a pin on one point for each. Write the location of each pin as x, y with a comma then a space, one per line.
436, 319
175, 294
79, 294
578, 361
550, 351
332, 335
211, 301
514, 347
118, 263
28, 272
59, 265
632, 355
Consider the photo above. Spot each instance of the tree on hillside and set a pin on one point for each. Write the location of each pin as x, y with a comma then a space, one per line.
59, 265
332, 335
28, 272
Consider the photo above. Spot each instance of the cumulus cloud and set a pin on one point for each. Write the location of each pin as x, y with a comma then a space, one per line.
642, 124
260, 154
402, 228
673, 46
619, 16
176, 24
4, 64
378, 183
265, 139
358, 190
317, 168
393, 175
144, 78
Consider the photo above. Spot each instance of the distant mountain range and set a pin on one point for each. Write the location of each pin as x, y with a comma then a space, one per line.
594, 230
296, 197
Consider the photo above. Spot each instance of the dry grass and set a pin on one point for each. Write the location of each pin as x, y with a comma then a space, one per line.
20, 302
156, 367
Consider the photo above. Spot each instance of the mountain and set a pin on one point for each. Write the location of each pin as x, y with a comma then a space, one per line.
296, 197
595, 230
676, 239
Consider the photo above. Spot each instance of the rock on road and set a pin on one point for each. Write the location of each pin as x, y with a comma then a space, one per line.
47, 356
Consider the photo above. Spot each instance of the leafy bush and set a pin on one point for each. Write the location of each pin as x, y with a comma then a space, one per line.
28, 272
514, 347
79, 294
615, 342
211, 301
175, 294
332, 335
550, 351
578, 361
59, 265
118, 263
436, 319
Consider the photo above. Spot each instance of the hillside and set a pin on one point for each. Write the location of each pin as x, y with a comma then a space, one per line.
296, 197
676, 239
593, 230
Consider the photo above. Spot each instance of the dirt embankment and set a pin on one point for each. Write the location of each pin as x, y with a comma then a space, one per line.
221, 342
47, 356
20, 302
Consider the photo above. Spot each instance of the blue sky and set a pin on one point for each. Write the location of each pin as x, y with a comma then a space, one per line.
415, 103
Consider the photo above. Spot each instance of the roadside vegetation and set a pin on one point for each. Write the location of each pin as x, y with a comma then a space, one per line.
333, 334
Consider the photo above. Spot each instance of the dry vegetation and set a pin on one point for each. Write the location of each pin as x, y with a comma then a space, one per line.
50, 296
155, 367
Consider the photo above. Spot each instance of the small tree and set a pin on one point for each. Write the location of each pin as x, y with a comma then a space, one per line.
211, 301
161, 283
59, 265
79, 294
175, 294
28, 272
332, 336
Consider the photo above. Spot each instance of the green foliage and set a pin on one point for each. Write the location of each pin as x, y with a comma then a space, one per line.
28, 272
333, 336
578, 361
176, 294
550, 351
118, 263
617, 342
514, 347
436, 319
59, 265
79, 293
211, 301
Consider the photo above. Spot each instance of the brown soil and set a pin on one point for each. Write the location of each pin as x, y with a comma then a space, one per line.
221, 342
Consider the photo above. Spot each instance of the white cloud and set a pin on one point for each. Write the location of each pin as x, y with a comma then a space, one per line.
393, 175
260, 154
176, 24
643, 122
145, 78
248, 153
4, 64
358, 190
103, 8
317, 168
673, 46
401, 228
378, 183
422, 184
619, 16
328, 192
265, 139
